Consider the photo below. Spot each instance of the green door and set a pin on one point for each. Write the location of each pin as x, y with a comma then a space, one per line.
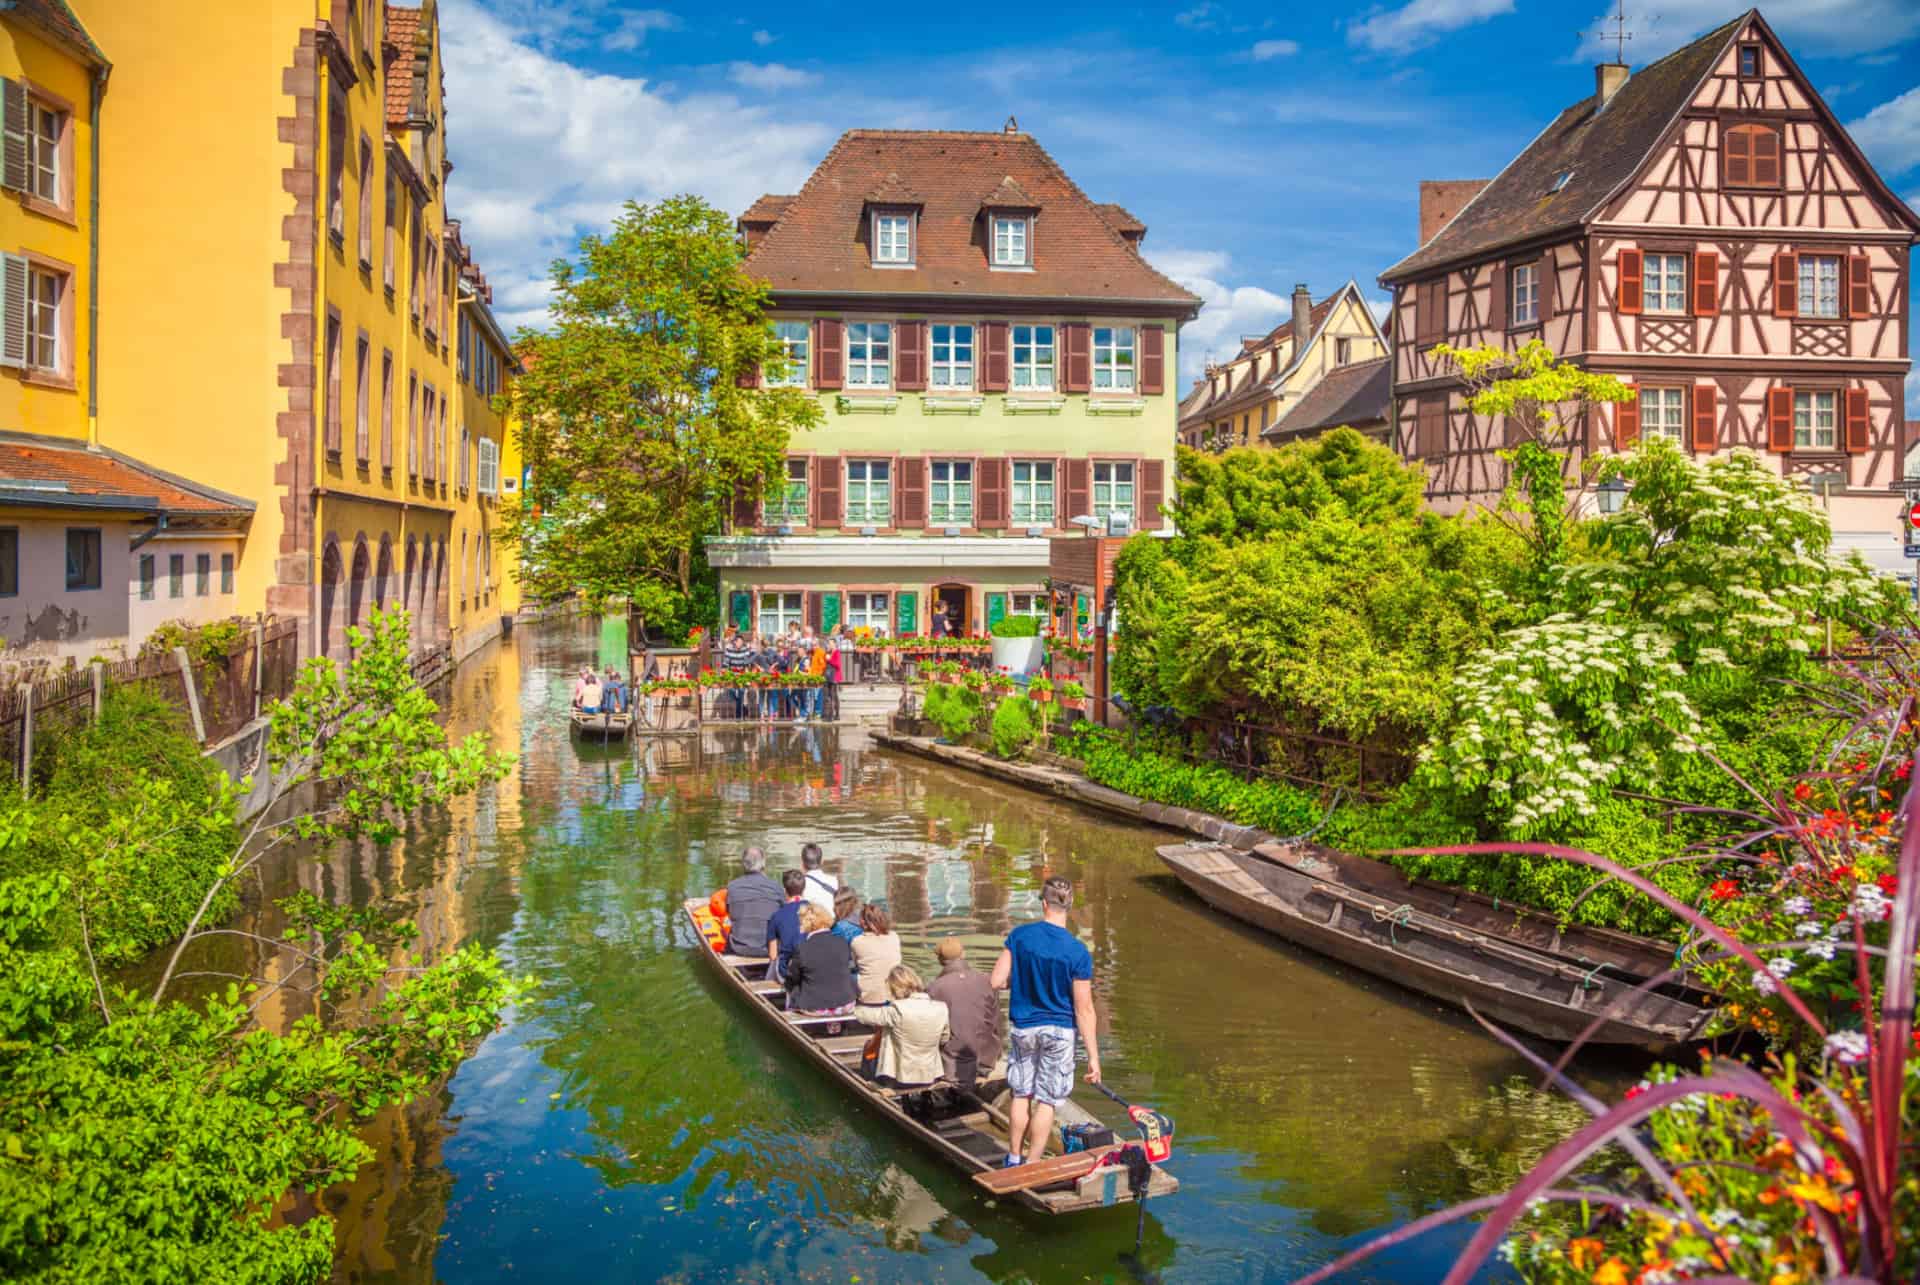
740, 610
829, 611
996, 610
907, 615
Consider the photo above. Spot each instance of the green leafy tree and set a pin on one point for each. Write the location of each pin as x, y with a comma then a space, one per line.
150, 1139
637, 416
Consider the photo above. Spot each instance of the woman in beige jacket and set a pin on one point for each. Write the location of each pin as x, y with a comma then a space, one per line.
875, 951
913, 1026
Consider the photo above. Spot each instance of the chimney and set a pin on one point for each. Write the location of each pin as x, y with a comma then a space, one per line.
1607, 79
1441, 199
1302, 313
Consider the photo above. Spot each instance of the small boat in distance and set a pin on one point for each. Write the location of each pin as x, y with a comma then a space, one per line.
603, 726
1514, 966
966, 1127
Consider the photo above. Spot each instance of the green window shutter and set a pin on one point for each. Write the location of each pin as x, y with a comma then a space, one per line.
13, 310
996, 610
829, 611
740, 610
13, 119
1080, 605
907, 615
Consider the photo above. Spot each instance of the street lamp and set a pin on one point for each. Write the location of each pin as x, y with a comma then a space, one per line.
1613, 495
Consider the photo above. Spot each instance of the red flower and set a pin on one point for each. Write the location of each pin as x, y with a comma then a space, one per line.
1838, 873
1883, 816
1803, 791
1887, 883
1903, 770
1724, 890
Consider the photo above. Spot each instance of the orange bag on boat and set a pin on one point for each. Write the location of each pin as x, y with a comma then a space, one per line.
711, 930
717, 903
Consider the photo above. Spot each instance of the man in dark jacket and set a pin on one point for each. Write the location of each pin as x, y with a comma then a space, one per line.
751, 900
783, 929
973, 1009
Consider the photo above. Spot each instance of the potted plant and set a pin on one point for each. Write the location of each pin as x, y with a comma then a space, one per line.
1017, 645
1072, 695
1040, 689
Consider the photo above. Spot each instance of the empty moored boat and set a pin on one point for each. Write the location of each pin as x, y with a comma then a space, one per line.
1515, 967
965, 1127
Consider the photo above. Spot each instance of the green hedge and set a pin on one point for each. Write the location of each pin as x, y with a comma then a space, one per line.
1271, 805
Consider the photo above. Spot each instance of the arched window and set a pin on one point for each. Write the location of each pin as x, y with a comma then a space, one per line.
1750, 156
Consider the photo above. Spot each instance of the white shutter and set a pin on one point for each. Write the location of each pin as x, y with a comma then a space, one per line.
489, 466
15, 123
13, 310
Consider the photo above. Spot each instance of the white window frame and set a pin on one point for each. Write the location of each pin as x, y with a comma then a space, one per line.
950, 357
790, 506
488, 482
780, 608
1025, 493
1816, 420
44, 153
1663, 410
1664, 282
1523, 295
1027, 602
1038, 373
872, 482
893, 237
1012, 241
868, 608
869, 354
1818, 286
950, 493
795, 339
45, 321
1112, 479
1116, 354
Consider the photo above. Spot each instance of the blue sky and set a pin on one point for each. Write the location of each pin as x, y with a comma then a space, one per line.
1260, 149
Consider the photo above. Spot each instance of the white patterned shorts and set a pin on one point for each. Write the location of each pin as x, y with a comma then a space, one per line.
1040, 1063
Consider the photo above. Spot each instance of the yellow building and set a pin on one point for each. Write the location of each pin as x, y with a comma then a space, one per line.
277, 293
1324, 366
77, 518
482, 594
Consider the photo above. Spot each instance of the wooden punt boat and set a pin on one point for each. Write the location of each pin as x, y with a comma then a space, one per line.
606, 727
1510, 978
967, 1128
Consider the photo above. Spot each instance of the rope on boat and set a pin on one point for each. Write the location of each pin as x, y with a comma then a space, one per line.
1396, 919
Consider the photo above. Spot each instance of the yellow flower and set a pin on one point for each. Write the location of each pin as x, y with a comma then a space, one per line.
1584, 1251
1784, 1278
1815, 1189
1612, 1272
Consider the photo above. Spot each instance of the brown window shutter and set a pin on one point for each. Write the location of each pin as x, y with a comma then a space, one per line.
1629, 290
910, 362
813, 613
1497, 299
1859, 427
1153, 360
1736, 157
1859, 287
911, 494
1626, 420
1151, 494
746, 508
1766, 155
1079, 492
829, 353
1428, 324
749, 377
1078, 377
1706, 283
990, 486
826, 490
1786, 285
1780, 418
994, 364
1706, 418
1549, 280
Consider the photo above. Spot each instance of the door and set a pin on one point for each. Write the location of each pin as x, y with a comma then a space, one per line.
957, 599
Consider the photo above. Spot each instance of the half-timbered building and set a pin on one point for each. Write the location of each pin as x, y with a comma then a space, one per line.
1706, 230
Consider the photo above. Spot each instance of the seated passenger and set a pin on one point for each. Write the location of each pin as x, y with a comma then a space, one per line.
819, 977
846, 912
751, 900
783, 926
614, 692
875, 951
587, 694
915, 1026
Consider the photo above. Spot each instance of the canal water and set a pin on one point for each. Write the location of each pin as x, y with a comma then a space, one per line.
629, 1122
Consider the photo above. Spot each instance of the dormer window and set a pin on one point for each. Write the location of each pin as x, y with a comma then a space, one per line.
1560, 181
893, 237
1010, 241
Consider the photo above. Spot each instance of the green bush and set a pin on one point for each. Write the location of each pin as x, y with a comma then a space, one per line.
1014, 727
1272, 805
1017, 627
954, 710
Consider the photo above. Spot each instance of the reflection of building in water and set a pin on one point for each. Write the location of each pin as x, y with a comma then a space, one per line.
911, 1210
949, 888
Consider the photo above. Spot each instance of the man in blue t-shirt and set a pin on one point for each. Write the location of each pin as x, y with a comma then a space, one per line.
783, 926
1048, 975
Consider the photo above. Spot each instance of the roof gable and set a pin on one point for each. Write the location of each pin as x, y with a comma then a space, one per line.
818, 243
1241, 389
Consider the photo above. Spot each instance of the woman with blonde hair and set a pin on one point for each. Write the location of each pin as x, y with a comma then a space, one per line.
913, 1025
820, 976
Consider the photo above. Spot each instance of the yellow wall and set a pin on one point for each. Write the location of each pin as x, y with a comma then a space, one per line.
52, 402
481, 593
1348, 320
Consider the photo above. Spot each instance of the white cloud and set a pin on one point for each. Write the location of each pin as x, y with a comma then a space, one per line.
634, 25
1266, 49
1824, 27
545, 150
770, 76
763, 38
1402, 30
1229, 312
1890, 133
1202, 17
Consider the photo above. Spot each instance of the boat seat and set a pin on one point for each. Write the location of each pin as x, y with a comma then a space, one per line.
845, 1019
742, 961
918, 1088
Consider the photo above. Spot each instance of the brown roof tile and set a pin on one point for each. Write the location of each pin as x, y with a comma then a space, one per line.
1009, 195
58, 20
767, 209
1599, 148
47, 466
403, 32
1119, 219
819, 243
1353, 395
